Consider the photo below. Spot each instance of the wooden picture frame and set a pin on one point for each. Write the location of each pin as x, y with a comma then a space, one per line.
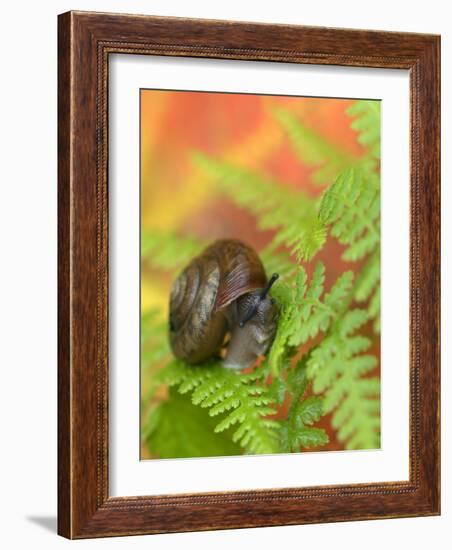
85, 42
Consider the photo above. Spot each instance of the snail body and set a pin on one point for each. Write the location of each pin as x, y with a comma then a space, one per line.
223, 294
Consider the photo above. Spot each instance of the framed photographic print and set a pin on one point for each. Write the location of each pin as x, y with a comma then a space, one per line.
248, 275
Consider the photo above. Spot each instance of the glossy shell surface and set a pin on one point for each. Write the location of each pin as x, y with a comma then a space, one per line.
212, 281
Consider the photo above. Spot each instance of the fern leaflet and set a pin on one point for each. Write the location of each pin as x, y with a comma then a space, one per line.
367, 123
337, 366
236, 397
351, 206
303, 313
313, 149
274, 205
168, 251
297, 431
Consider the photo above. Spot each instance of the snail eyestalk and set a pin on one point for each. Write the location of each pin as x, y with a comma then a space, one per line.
252, 311
268, 286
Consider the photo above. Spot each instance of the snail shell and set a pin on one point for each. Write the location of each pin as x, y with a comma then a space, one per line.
218, 289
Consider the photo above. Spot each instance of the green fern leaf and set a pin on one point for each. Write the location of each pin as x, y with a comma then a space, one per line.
277, 262
313, 315
339, 291
223, 391
367, 122
336, 367
154, 335
155, 349
309, 410
311, 437
374, 309
169, 251
304, 237
368, 278
296, 431
313, 149
275, 205
351, 206
302, 312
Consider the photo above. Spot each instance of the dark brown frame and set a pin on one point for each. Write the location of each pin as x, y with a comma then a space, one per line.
85, 41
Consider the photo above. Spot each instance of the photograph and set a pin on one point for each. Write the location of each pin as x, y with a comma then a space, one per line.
248, 274
260, 274
224, 231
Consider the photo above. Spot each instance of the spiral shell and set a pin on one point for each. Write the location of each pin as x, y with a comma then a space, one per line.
202, 293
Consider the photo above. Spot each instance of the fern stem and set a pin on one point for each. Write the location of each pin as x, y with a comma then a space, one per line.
319, 305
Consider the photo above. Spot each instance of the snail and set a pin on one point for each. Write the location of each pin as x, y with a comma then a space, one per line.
220, 302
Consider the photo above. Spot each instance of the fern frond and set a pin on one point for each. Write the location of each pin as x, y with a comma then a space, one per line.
167, 250
374, 309
336, 367
274, 205
368, 278
303, 314
154, 348
367, 287
313, 149
182, 249
297, 430
257, 193
351, 206
277, 262
152, 328
242, 403
280, 351
367, 123
304, 236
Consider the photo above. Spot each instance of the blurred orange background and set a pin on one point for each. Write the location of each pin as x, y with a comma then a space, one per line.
177, 196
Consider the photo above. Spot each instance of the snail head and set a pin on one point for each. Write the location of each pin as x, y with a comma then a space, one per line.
259, 302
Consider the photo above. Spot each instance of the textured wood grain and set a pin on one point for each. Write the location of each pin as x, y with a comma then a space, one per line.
64, 297
85, 42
